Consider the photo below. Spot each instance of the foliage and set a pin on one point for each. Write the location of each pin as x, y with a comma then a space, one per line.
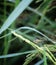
22, 23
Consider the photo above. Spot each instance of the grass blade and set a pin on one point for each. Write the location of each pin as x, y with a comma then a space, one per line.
17, 11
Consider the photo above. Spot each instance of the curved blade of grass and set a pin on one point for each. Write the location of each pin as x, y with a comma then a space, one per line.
37, 32
17, 11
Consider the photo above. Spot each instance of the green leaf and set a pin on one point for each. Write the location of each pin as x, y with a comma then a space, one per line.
16, 13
